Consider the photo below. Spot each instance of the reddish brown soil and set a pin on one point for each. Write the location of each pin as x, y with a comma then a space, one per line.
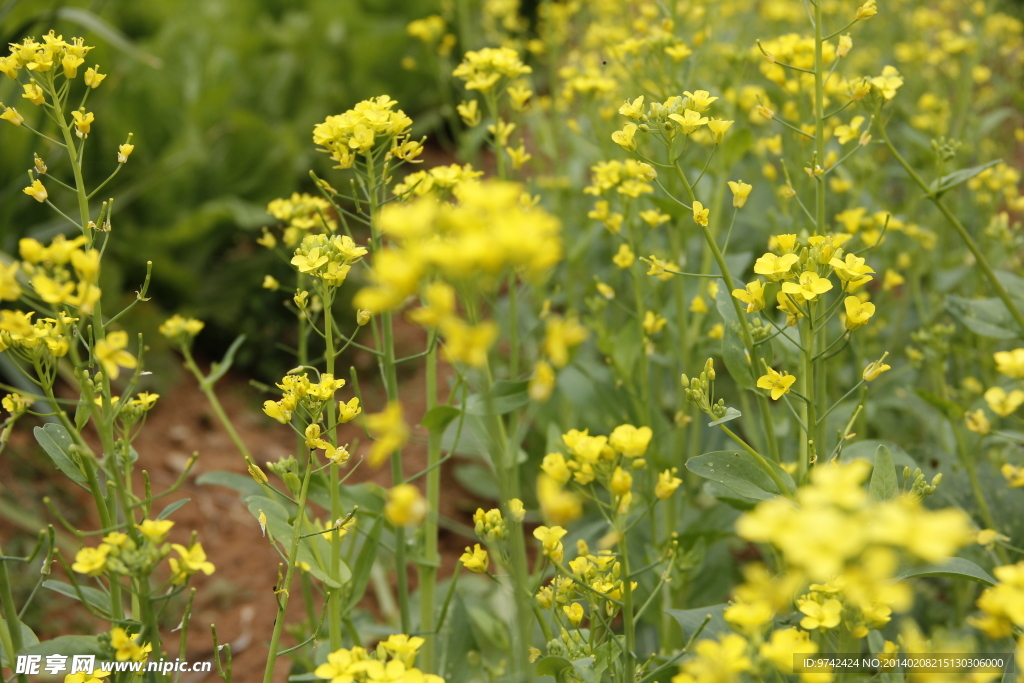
238, 597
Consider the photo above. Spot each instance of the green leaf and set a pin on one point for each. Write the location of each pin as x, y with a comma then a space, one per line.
95, 598
729, 497
505, 396
984, 317
169, 510
217, 370
438, 418
114, 37
553, 666
951, 180
691, 619
883, 475
737, 362
867, 449
28, 640
279, 525
364, 563
954, 568
740, 472
66, 645
730, 414
56, 441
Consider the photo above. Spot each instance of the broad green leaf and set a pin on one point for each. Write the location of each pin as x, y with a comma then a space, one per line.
734, 353
954, 568
95, 598
729, 497
28, 640
691, 619
951, 180
313, 550
984, 317
56, 441
505, 396
477, 479
438, 418
883, 475
169, 510
66, 645
740, 472
553, 666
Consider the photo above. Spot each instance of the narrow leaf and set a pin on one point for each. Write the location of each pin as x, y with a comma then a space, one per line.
883, 475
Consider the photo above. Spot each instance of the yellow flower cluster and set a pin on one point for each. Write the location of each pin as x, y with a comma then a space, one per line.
487, 231
370, 125
482, 69
53, 55
327, 257
439, 181
62, 274
630, 178
394, 661
301, 213
1002, 605
601, 572
300, 392
849, 546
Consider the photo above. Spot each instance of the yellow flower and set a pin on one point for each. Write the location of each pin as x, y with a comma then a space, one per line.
1010, 363
1003, 403
779, 384
83, 123
698, 305
96, 676
91, 561
630, 441
348, 411
752, 296
125, 646
475, 560
890, 80
36, 191
518, 155
667, 484
844, 133
718, 128
466, 343
551, 541
574, 613
621, 482
740, 192
33, 93
977, 422
192, 560
867, 10
389, 430
857, 312
111, 354
11, 115
93, 78
700, 99
810, 286
179, 326
155, 529
555, 466
852, 269
875, 368
625, 138
123, 152
469, 112
689, 121
633, 110
775, 267
516, 509
561, 335
653, 323
700, 214
624, 258
543, 381
820, 615
1014, 476
405, 505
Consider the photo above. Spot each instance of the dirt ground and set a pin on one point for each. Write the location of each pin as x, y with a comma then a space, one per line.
238, 597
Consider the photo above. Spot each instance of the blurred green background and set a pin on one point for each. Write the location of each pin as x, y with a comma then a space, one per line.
222, 97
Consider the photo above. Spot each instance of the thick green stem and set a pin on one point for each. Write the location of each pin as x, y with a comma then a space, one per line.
628, 621
334, 595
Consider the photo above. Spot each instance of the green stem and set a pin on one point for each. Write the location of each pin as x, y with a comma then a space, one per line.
431, 556
975, 250
282, 605
334, 606
628, 618
10, 633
